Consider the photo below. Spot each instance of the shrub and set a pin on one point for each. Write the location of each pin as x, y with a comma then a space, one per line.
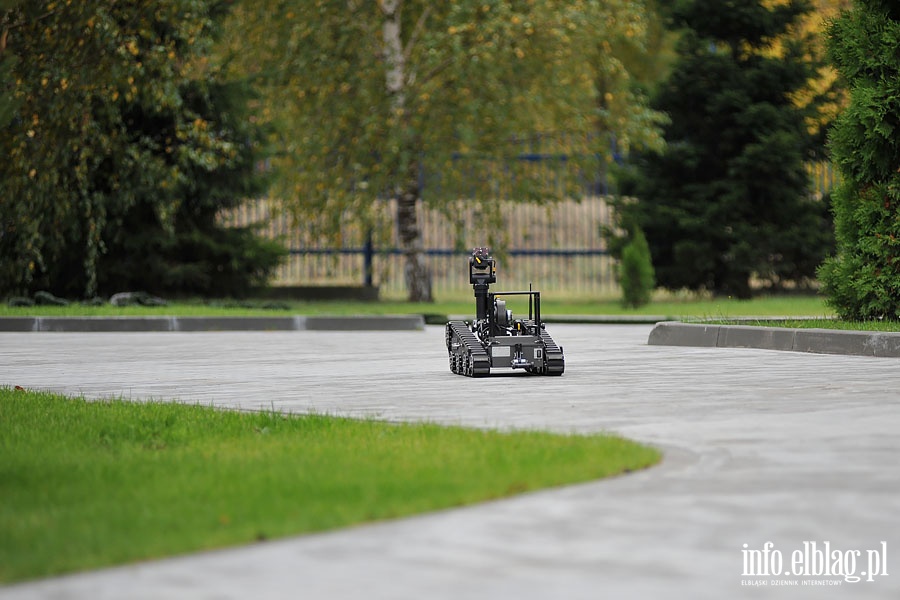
863, 280
636, 274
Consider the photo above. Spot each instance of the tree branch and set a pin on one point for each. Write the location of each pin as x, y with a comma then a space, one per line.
437, 70
417, 31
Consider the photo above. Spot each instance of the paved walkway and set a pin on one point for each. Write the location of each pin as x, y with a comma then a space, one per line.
760, 446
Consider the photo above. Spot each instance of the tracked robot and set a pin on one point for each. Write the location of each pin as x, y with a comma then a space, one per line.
495, 339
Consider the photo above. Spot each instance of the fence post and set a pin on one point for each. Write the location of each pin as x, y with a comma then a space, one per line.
367, 259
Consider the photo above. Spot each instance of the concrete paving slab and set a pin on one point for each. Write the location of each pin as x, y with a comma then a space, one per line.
789, 448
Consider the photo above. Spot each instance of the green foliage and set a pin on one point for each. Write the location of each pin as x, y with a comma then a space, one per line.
729, 199
195, 254
89, 484
479, 77
477, 83
636, 275
108, 117
863, 280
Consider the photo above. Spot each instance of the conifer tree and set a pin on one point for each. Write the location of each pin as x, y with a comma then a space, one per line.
863, 280
636, 276
728, 199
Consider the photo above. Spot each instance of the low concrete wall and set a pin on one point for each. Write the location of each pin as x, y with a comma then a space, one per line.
319, 292
819, 341
285, 323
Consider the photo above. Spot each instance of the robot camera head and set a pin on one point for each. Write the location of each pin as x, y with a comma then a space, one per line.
482, 267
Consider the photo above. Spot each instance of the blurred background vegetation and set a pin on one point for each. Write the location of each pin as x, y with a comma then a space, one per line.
134, 131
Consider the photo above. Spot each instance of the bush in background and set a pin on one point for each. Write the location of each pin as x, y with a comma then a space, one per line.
636, 275
862, 281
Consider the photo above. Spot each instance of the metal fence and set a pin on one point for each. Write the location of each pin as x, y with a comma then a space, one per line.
554, 245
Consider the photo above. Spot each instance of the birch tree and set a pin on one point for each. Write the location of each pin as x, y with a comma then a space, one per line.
418, 279
377, 99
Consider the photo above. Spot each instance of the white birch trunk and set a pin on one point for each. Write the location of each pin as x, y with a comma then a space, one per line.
416, 272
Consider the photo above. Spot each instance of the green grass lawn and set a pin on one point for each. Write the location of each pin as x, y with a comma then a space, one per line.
89, 484
669, 306
551, 304
885, 326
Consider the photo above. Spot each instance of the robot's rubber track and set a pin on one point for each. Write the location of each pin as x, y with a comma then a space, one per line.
556, 362
470, 358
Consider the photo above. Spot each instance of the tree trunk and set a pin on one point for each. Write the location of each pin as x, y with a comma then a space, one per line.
416, 272
393, 53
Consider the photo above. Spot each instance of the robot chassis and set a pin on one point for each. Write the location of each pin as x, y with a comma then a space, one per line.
494, 339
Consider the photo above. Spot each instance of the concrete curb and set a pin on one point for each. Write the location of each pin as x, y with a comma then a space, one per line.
570, 319
817, 341
184, 324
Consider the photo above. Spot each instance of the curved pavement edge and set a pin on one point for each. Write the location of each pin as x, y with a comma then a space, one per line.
817, 341
161, 323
